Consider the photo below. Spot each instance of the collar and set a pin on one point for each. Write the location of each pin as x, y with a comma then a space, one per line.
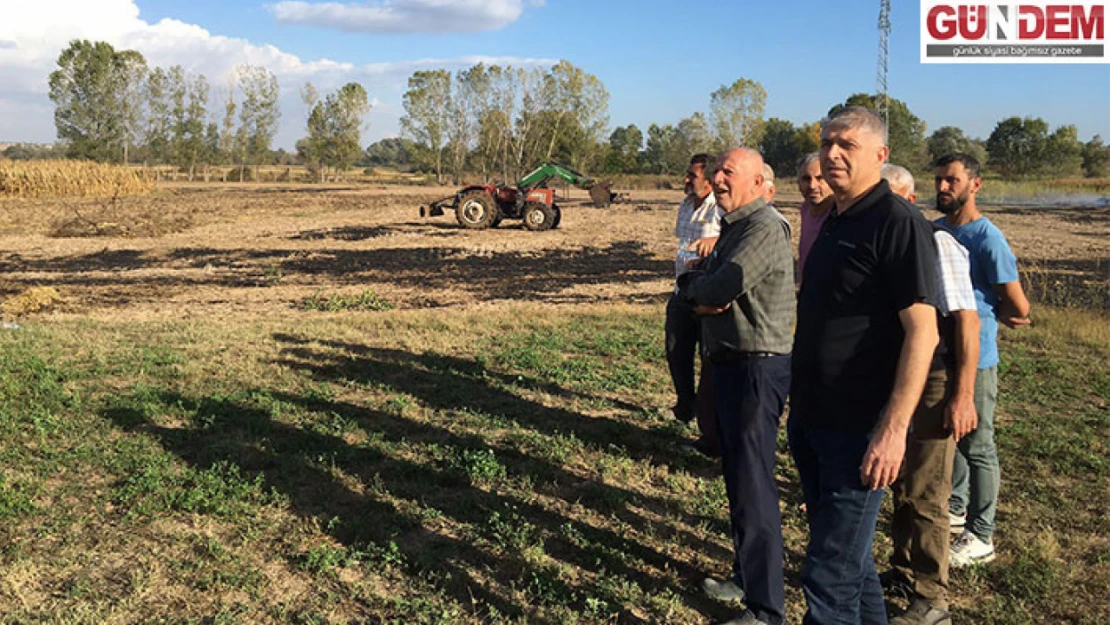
744, 211
871, 198
710, 201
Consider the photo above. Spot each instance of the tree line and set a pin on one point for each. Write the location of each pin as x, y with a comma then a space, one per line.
484, 121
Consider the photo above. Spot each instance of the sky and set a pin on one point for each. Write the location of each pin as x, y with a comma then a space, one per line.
658, 59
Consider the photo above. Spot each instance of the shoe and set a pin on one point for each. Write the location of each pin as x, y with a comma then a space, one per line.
747, 618
968, 550
921, 612
956, 523
683, 411
698, 446
723, 590
894, 582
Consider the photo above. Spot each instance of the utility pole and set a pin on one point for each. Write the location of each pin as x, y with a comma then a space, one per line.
882, 96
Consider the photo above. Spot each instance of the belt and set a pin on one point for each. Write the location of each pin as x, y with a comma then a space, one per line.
735, 356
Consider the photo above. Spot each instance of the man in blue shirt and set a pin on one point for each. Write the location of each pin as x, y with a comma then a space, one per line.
999, 297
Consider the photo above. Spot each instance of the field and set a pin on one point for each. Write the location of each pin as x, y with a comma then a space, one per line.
304, 404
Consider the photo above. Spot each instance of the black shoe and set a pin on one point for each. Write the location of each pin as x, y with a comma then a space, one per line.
699, 446
894, 582
683, 411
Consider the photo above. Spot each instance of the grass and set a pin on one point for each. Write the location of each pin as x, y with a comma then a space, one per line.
415, 467
335, 302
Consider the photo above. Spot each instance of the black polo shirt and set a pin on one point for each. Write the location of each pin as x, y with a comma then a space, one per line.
869, 263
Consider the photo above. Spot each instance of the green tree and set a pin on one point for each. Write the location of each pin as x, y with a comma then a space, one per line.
1063, 153
258, 113
190, 125
905, 131
334, 128
1016, 146
427, 112
625, 144
780, 146
1096, 158
93, 89
736, 114
950, 139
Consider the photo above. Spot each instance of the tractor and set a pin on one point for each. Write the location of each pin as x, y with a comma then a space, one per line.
484, 206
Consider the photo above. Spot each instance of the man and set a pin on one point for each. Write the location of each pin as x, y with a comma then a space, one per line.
817, 199
919, 525
768, 184
745, 290
999, 296
866, 333
697, 226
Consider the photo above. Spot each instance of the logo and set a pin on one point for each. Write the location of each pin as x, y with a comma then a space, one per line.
994, 31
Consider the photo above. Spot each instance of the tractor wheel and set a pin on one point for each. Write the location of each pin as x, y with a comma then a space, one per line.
539, 216
558, 216
476, 210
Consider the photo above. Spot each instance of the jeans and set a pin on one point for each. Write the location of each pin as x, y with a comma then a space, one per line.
919, 524
750, 396
976, 474
839, 579
683, 332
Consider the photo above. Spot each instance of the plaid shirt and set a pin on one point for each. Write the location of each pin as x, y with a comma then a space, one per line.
752, 271
953, 275
694, 223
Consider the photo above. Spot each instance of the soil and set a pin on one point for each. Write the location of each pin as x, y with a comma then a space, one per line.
246, 249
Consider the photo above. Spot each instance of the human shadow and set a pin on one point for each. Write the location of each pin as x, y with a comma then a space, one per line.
274, 435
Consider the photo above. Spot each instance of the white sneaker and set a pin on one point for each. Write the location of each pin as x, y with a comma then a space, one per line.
968, 550
956, 523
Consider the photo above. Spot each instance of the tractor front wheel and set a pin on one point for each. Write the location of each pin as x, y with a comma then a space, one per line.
476, 210
539, 216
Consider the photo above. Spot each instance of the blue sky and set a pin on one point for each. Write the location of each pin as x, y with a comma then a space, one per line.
659, 60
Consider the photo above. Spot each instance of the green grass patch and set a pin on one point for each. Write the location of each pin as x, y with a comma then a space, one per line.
336, 302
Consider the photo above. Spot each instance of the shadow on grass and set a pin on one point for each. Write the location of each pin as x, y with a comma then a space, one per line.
405, 484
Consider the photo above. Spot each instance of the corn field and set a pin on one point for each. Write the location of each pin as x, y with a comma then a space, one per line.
62, 178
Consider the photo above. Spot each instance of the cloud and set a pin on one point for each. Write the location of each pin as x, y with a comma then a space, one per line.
33, 35
403, 16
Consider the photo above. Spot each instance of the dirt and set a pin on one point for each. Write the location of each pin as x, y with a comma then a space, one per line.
244, 249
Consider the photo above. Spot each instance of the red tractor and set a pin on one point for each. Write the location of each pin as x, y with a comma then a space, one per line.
484, 206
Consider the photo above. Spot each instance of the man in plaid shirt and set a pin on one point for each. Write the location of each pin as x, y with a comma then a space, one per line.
697, 228
946, 412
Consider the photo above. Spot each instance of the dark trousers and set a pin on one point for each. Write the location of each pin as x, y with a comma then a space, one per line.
750, 394
919, 525
683, 333
839, 579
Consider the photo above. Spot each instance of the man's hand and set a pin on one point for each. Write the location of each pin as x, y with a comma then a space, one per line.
704, 246
883, 458
960, 416
705, 311
1015, 322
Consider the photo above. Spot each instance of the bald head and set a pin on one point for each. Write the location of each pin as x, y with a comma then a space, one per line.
739, 178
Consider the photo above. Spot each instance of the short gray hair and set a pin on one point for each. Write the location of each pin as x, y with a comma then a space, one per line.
899, 177
812, 157
768, 175
852, 117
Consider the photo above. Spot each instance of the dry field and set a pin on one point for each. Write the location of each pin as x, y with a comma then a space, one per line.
196, 251
207, 417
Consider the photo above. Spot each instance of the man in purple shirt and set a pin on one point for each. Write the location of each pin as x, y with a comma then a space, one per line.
817, 200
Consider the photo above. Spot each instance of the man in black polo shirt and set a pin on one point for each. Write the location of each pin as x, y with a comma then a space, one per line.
745, 292
862, 349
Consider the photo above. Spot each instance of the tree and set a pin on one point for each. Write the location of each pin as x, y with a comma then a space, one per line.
1017, 146
1096, 158
950, 139
1063, 153
575, 107
780, 146
391, 152
905, 131
736, 113
334, 128
258, 114
624, 150
95, 112
427, 112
